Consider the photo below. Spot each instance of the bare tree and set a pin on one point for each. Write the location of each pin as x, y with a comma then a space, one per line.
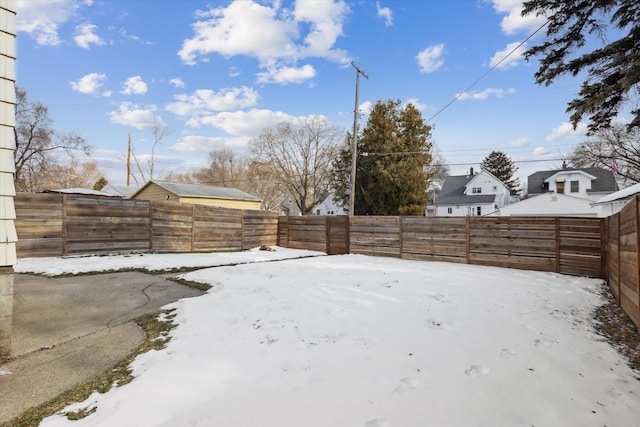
616, 148
37, 143
225, 169
298, 158
159, 131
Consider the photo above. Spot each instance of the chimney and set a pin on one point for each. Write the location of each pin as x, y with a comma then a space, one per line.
564, 164
470, 171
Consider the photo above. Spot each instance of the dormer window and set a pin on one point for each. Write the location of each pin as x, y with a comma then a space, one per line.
476, 190
575, 186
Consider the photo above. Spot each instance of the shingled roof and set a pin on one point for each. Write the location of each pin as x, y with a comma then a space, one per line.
452, 192
201, 190
605, 181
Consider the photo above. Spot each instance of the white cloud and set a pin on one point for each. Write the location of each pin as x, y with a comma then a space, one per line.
177, 82
365, 107
385, 13
287, 75
514, 22
85, 36
247, 123
416, 104
565, 130
41, 18
509, 57
196, 143
206, 101
89, 84
540, 151
269, 33
135, 86
430, 59
485, 94
520, 141
129, 114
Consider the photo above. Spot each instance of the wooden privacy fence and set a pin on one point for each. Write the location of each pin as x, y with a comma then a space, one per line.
65, 224
623, 258
564, 245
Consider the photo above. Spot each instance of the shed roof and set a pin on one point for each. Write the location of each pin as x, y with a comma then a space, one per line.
201, 190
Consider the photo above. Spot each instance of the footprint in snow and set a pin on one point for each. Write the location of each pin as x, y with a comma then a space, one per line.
476, 370
406, 385
507, 352
435, 324
377, 422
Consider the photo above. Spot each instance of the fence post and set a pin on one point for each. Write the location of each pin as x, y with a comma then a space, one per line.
637, 242
468, 249
348, 233
64, 225
604, 248
193, 226
150, 204
327, 231
242, 229
557, 245
400, 239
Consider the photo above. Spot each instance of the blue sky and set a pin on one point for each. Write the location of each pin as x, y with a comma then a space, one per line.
217, 73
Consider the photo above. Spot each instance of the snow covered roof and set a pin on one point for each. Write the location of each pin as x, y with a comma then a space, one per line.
83, 191
620, 195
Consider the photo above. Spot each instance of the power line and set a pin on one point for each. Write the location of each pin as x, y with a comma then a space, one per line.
487, 72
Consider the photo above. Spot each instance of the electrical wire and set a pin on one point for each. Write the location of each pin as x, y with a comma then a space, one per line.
487, 72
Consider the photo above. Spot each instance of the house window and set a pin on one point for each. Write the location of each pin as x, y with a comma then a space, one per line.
318, 212
560, 187
479, 211
495, 188
476, 190
449, 210
575, 186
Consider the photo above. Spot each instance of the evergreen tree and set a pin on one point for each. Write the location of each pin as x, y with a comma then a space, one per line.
610, 63
502, 167
394, 152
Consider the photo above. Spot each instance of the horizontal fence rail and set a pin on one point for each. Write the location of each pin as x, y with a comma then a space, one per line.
563, 245
65, 224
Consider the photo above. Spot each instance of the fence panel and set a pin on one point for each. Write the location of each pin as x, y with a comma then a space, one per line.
171, 227
216, 229
99, 225
580, 241
39, 224
308, 233
375, 235
525, 243
613, 255
259, 228
628, 262
435, 239
337, 235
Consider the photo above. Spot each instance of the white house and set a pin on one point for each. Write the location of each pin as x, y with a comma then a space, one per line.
586, 183
471, 195
329, 207
564, 192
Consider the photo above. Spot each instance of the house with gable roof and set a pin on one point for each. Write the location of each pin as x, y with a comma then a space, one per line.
199, 194
564, 192
471, 195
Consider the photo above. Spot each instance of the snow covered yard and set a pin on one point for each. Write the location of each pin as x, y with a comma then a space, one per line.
361, 341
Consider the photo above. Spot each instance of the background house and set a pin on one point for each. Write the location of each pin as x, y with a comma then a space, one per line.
471, 195
587, 183
564, 192
198, 194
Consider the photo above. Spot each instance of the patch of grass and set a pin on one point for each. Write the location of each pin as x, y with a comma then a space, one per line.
197, 285
156, 328
618, 329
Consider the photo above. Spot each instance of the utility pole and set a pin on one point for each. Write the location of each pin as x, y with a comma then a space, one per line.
354, 146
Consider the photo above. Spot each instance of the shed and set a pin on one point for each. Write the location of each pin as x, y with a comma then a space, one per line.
199, 194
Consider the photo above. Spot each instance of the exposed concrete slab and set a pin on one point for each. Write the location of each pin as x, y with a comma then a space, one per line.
67, 330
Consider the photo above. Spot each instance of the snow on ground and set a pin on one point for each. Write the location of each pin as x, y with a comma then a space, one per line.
152, 262
361, 341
